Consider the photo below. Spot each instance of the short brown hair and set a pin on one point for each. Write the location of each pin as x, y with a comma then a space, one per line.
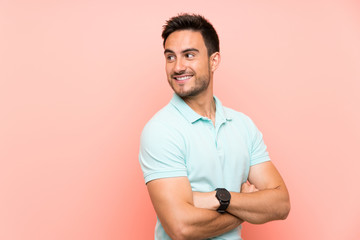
196, 23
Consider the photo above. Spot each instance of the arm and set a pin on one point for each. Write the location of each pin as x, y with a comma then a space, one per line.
266, 199
172, 199
271, 202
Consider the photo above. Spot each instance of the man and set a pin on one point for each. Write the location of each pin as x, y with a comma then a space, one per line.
206, 166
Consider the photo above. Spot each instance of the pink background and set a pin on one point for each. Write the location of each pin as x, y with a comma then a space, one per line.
79, 79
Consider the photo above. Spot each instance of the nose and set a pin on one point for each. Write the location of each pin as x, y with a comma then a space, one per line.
179, 66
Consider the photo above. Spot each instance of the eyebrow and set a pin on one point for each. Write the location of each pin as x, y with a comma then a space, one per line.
183, 51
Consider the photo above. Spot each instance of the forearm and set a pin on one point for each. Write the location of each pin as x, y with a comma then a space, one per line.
197, 223
260, 206
173, 202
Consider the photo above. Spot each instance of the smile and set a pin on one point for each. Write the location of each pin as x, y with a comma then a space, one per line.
183, 78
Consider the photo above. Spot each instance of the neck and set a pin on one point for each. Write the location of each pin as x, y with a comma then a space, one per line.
203, 104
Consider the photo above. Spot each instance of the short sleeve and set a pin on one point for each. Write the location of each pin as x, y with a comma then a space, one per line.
258, 151
161, 152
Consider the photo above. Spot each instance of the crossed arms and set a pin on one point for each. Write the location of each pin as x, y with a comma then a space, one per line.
192, 215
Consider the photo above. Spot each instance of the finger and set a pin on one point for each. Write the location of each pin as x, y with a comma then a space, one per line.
244, 186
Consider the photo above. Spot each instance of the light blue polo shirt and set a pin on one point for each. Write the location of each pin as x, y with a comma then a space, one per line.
179, 142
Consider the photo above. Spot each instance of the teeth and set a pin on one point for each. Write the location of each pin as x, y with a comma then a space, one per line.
183, 78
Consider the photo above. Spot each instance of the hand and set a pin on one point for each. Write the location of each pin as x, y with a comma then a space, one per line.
248, 188
206, 200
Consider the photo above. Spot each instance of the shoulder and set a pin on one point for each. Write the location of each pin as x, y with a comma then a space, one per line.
242, 122
166, 123
165, 115
237, 116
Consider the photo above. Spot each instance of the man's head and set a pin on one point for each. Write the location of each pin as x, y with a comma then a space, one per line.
195, 23
192, 55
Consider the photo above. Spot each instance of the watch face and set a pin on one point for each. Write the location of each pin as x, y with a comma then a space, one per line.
223, 195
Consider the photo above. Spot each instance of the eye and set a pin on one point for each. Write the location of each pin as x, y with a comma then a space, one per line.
189, 55
170, 58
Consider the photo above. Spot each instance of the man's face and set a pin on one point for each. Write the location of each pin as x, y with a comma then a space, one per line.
187, 63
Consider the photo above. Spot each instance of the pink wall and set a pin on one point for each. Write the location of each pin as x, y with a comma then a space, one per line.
78, 81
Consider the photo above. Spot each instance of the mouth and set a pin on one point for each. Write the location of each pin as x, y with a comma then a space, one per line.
182, 78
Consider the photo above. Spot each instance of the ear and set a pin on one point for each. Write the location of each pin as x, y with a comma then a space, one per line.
215, 59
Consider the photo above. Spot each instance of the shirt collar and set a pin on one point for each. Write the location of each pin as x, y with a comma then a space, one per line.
192, 116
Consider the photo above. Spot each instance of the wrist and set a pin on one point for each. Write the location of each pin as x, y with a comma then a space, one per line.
215, 204
206, 200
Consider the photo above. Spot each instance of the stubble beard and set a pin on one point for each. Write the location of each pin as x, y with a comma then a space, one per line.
201, 84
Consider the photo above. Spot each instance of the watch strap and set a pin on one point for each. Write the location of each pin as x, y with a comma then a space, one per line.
223, 206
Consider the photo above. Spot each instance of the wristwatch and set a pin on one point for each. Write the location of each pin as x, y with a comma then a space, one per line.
223, 196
